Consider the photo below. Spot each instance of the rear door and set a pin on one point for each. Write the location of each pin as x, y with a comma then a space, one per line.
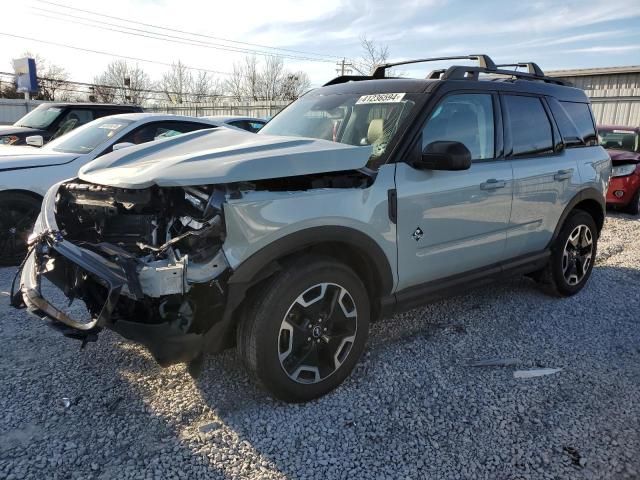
450, 222
545, 173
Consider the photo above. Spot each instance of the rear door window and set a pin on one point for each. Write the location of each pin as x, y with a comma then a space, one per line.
531, 131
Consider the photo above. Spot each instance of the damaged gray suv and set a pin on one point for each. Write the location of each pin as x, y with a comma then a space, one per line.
364, 197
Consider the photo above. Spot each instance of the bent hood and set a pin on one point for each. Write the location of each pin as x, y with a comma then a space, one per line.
221, 156
18, 158
623, 156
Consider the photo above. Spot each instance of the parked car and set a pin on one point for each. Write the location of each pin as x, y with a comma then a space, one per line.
52, 120
250, 124
623, 146
27, 173
365, 197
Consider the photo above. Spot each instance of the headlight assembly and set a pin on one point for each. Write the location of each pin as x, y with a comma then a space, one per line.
623, 170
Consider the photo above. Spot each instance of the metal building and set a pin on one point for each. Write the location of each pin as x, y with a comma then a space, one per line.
614, 92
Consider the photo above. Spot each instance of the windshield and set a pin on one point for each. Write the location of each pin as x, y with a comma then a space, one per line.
364, 120
40, 118
619, 139
86, 138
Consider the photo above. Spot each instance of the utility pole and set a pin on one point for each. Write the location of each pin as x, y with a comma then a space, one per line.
344, 68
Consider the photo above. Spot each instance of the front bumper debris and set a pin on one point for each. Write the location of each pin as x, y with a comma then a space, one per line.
81, 270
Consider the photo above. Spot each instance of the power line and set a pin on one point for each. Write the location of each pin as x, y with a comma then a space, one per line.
90, 12
99, 52
116, 87
165, 37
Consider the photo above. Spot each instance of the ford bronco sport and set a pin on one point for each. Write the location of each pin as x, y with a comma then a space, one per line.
362, 198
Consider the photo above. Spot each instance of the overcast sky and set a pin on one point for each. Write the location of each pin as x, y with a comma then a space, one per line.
554, 33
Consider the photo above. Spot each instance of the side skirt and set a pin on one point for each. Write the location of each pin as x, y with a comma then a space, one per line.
419, 295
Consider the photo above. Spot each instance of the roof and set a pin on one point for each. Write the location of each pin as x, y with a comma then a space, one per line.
91, 105
231, 118
142, 116
619, 127
584, 72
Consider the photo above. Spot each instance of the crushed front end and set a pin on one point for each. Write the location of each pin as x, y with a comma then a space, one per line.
147, 263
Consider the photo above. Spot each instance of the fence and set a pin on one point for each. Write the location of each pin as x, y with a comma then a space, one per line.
11, 110
259, 108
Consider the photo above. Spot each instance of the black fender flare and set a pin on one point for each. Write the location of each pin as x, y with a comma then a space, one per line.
264, 263
589, 193
250, 270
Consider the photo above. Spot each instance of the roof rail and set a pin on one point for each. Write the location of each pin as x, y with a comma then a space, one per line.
484, 61
472, 73
531, 67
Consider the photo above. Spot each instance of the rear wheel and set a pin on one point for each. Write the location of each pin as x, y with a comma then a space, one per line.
305, 330
18, 213
572, 255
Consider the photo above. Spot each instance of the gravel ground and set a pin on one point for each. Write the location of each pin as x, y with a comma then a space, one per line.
413, 408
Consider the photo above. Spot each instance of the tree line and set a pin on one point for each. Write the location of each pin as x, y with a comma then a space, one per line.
127, 82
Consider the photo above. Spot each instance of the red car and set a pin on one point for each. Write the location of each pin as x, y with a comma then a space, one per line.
623, 145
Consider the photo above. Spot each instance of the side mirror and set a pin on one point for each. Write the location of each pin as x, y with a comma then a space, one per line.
444, 155
120, 146
34, 140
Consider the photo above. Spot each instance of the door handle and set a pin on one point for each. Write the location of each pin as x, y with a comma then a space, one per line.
492, 184
563, 175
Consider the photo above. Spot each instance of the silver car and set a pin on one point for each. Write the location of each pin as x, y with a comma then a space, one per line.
362, 198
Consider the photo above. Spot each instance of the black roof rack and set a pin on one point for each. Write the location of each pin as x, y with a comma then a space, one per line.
457, 72
531, 67
484, 61
473, 73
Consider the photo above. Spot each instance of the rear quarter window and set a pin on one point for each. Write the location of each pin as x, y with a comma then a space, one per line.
581, 116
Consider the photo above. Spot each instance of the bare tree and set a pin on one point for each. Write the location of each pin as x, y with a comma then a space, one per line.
271, 79
203, 86
234, 83
251, 77
373, 55
103, 90
294, 85
123, 82
176, 83
52, 79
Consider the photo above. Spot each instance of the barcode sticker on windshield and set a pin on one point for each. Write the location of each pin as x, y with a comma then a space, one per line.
110, 126
623, 131
381, 98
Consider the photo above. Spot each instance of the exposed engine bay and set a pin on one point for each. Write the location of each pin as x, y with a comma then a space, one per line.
168, 242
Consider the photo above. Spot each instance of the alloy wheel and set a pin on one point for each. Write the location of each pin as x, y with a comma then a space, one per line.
577, 255
317, 333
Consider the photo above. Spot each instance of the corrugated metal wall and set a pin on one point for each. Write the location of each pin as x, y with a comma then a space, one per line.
615, 97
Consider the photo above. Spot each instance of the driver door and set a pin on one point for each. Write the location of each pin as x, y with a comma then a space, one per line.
450, 222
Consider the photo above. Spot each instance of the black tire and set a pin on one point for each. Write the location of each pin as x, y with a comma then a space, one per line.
262, 334
634, 205
564, 275
18, 213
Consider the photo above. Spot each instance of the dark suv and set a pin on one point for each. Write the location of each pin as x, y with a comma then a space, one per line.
365, 197
52, 120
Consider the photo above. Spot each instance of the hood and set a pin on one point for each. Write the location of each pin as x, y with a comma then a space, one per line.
21, 132
221, 156
620, 156
17, 158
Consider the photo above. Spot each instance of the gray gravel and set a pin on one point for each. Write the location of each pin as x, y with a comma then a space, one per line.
414, 407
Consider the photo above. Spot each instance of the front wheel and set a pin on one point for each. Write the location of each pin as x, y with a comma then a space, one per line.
306, 329
572, 255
